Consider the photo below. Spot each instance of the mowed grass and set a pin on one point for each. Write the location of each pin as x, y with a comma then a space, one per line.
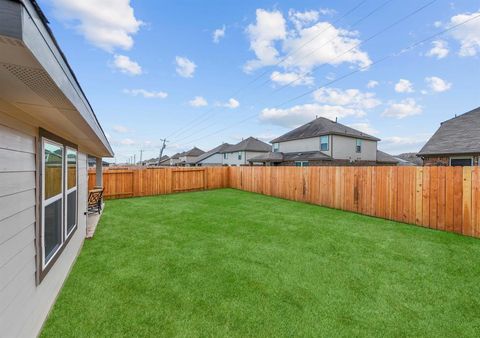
228, 263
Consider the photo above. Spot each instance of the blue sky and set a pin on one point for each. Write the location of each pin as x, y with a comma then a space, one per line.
205, 72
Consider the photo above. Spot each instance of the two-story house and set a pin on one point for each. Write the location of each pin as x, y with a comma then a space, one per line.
189, 157
213, 157
324, 142
242, 152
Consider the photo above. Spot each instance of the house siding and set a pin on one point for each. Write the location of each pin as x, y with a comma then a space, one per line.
24, 305
344, 149
303, 145
215, 159
445, 160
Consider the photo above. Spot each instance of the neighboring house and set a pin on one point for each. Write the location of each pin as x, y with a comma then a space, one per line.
242, 152
386, 159
324, 142
455, 143
213, 157
47, 131
92, 163
154, 161
188, 158
175, 159
409, 158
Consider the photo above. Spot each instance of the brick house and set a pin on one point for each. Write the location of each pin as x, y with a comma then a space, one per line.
455, 143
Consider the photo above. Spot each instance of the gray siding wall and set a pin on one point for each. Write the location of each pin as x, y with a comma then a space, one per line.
344, 149
24, 305
306, 144
214, 159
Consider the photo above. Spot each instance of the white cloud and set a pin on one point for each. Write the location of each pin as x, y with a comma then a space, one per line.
232, 104
120, 129
127, 142
439, 49
291, 78
352, 98
403, 144
218, 34
437, 84
437, 24
146, 93
185, 67
404, 86
468, 34
198, 101
372, 84
269, 27
297, 115
107, 24
402, 109
365, 127
126, 65
272, 38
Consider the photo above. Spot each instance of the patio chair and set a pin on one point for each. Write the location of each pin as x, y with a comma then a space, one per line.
95, 200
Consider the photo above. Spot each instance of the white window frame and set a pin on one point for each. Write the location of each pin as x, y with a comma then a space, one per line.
460, 158
276, 147
358, 143
225, 156
328, 142
68, 191
302, 164
239, 156
46, 203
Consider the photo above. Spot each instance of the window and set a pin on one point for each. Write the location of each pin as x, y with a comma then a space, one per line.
276, 146
239, 155
58, 197
225, 156
324, 143
358, 146
461, 161
301, 163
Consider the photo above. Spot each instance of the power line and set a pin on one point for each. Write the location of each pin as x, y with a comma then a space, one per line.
402, 51
378, 33
207, 114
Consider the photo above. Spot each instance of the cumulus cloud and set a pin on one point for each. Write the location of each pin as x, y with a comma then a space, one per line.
365, 127
404, 86
352, 98
272, 38
146, 93
468, 34
297, 115
291, 78
372, 84
126, 65
198, 101
402, 109
127, 142
437, 84
403, 144
185, 67
439, 49
107, 24
218, 34
232, 104
120, 129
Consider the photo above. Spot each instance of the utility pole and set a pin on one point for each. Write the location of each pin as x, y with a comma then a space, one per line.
161, 150
141, 153
134, 159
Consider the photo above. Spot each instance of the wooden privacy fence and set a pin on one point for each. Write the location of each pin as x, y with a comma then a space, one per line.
158, 181
443, 198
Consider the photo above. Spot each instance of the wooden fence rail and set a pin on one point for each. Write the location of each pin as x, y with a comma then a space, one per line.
443, 198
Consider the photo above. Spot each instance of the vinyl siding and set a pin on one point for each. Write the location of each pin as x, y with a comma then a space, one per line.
302, 145
24, 305
213, 159
344, 149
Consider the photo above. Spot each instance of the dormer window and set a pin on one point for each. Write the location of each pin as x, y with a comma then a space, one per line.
358, 146
276, 147
324, 146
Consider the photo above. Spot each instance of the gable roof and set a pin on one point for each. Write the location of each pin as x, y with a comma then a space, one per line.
459, 135
212, 152
193, 152
322, 126
383, 157
249, 144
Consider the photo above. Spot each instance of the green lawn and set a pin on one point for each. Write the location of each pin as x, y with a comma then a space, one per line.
230, 263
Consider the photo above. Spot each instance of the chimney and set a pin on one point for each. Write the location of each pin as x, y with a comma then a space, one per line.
336, 119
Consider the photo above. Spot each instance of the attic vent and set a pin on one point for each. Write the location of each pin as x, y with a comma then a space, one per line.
13, 42
39, 82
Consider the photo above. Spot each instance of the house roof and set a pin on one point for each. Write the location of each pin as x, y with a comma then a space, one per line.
459, 135
296, 156
177, 156
411, 158
193, 152
249, 144
383, 157
212, 152
322, 126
